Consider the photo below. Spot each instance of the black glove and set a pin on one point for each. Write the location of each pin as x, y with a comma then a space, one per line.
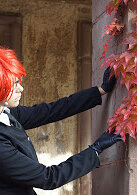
108, 84
105, 141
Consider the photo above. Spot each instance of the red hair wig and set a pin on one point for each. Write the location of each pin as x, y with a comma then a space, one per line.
10, 69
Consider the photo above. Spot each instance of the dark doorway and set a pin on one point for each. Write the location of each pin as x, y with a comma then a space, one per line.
10, 33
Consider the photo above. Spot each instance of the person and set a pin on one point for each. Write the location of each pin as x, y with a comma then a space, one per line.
20, 170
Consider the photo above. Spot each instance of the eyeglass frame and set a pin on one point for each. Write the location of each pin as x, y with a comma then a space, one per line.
18, 82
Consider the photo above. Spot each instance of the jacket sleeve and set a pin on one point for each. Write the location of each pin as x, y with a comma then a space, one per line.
19, 169
41, 114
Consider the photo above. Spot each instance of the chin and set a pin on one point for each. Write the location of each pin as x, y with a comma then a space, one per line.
15, 104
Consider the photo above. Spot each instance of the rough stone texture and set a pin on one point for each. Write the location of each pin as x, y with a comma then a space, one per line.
49, 35
100, 115
132, 12
52, 73
108, 185
133, 175
24, 6
98, 9
84, 81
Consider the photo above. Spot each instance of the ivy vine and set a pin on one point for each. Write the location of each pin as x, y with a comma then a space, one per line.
124, 120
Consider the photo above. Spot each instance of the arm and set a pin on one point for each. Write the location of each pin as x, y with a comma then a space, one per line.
41, 114
19, 169
31, 117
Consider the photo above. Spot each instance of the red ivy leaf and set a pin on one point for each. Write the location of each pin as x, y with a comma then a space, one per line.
112, 6
131, 40
125, 1
124, 119
134, 20
113, 28
135, 61
105, 49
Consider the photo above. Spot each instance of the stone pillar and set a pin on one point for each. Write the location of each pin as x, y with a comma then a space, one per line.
132, 155
112, 176
84, 81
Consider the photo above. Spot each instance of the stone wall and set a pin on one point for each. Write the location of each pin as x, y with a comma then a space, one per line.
49, 39
117, 174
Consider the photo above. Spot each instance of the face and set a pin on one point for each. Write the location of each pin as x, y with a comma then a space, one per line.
16, 95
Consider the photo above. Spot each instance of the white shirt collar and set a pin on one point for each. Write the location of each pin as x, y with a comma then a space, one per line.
4, 117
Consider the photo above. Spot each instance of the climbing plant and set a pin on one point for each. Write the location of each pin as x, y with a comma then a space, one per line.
124, 65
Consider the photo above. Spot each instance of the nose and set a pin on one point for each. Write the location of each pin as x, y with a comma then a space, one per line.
20, 88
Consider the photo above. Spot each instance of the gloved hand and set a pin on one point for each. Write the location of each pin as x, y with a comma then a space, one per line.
105, 141
108, 84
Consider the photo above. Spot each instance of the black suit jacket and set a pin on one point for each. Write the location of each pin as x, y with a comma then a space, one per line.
20, 170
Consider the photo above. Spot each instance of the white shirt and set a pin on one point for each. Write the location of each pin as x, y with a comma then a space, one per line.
4, 117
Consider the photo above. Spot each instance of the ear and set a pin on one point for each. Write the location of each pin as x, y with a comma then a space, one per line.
6, 104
